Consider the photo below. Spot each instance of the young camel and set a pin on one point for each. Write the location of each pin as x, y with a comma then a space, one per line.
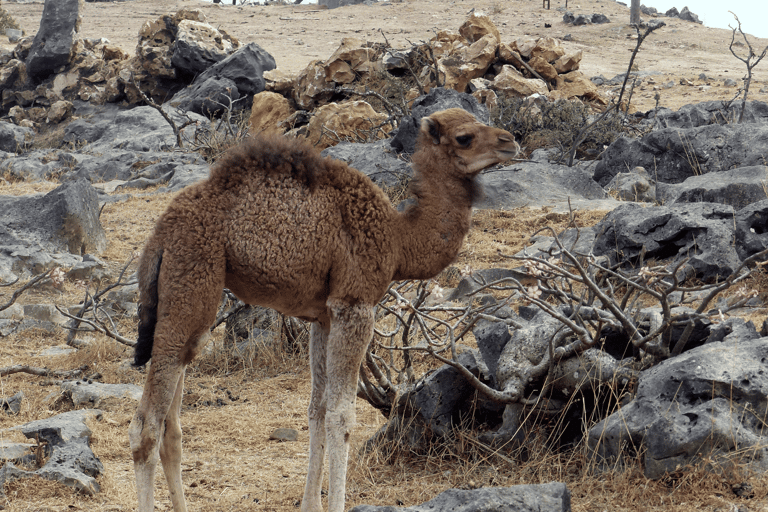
284, 228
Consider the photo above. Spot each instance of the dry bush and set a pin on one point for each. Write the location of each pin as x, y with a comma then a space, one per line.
7, 21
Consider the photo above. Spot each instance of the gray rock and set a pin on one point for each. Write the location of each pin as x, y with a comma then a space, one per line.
53, 45
676, 154
737, 188
332, 4
91, 394
540, 184
672, 13
285, 435
708, 112
140, 129
551, 497
238, 76
599, 19
633, 186
439, 98
71, 460
64, 220
751, 229
12, 404
706, 403
733, 330
13, 138
14, 451
687, 15
376, 160
702, 232
648, 11
198, 46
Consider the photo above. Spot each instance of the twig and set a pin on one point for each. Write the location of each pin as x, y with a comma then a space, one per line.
99, 326
24, 288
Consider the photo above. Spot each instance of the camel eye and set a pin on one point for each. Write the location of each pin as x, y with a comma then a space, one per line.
464, 140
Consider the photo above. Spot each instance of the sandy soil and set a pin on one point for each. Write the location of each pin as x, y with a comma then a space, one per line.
296, 35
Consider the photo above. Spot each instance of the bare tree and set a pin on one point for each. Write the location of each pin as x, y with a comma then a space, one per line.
751, 61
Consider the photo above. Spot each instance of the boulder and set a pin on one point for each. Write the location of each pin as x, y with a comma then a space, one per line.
634, 186
267, 111
575, 85
350, 121
468, 63
702, 407
568, 62
703, 233
53, 46
13, 137
676, 154
198, 46
548, 48
546, 70
352, 59
551, 497
511, 81
312, 89
737, 188
223, 84
404, 141
375, 159
65, 220
687, 15
751, 233
71, 460
92, 394
478, 26
708, 112
538, 184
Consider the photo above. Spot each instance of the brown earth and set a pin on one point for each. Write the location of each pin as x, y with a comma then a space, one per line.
229, 462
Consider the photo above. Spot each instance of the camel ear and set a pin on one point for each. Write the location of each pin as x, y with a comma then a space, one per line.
431, 128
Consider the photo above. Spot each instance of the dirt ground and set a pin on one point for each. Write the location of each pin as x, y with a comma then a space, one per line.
230, 464
298, 34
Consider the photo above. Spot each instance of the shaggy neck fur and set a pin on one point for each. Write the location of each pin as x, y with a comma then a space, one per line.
434, 228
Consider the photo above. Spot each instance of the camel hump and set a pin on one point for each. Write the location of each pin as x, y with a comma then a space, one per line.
269, 154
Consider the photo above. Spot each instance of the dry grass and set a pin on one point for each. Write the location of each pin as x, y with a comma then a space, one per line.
230, 409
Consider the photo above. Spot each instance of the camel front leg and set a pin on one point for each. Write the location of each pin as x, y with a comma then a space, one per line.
318, 338
350, 334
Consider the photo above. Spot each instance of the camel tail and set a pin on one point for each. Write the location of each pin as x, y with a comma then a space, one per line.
149, 269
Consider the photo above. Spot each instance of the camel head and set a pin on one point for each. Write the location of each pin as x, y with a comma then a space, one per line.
470, 145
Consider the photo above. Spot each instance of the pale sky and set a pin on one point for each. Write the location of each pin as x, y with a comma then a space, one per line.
714, 13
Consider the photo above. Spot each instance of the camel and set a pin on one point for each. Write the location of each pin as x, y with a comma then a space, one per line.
282, 227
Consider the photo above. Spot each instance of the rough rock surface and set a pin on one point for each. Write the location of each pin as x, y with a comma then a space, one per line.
54, 42
64, 220
704, 403
552, 497
238, 76
71, 460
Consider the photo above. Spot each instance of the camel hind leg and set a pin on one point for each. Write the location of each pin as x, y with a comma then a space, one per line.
318, 338
184, 317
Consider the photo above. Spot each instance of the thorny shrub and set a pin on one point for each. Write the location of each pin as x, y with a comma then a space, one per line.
7, 21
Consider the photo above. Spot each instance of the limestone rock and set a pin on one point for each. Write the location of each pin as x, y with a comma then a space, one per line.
350, 59
543, 68
576, 85
59, 111
54, 42
568, 62
510, 80
548, 48
268, 110
312, 89
477, 26
346, 121
198, 46
278, 81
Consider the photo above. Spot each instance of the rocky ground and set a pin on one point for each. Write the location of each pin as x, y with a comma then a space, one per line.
297, 34
230, 410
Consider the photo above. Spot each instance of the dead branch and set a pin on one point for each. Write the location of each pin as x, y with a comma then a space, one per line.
750, 61
42, 372
24, 288
99, 326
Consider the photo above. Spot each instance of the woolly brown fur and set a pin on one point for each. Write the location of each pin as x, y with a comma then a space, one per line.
283, 227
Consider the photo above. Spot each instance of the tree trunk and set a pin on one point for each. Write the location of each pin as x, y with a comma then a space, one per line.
634, 13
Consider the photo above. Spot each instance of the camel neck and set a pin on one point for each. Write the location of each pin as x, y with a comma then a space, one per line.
433, 229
